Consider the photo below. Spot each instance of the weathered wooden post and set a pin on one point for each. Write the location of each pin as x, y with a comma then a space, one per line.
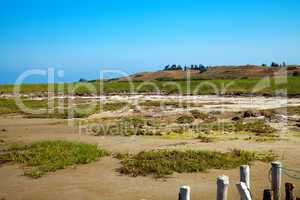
276, 179
222, 187
267, 195
289, 191
245, 175
244, 191
184, 193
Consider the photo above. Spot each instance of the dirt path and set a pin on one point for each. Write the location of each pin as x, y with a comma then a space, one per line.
100, 180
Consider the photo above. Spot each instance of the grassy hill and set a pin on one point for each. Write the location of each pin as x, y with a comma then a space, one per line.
255, 86
241, 80
220, 72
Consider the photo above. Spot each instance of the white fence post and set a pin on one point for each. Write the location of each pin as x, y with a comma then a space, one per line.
222, 187
184, 193
244, 191
245, 175
276, 179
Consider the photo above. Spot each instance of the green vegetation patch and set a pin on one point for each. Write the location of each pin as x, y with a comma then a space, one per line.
64, 114
9, 106
175, 104
135, 121
237, 86
185, 119
151, 103
199, 115
214, 127
49, 156
264, 139
259, 127
206, 139
293, 110
114, 106
164, 162
203, 116
128, 126
80, 110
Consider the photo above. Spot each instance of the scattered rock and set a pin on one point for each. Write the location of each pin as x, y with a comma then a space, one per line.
3, 130
248, 114
270, 114
215, 112
236, 118
267, 95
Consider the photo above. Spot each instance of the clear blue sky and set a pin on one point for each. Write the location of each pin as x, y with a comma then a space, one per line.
82, 37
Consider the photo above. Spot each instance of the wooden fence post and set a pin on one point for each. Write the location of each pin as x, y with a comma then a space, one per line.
276, 179
222, 187
184, 193
245, 175
289, 191
244, 191
267, 195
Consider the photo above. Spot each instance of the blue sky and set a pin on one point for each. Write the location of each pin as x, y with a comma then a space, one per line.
82, 37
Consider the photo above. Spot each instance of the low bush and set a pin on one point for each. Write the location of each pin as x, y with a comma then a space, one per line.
185, 119
114, 106
203, 116
135, 121
151, 103
259, 127
49, 156
166, 79
215, 127
161, 163
199, 115
296, 73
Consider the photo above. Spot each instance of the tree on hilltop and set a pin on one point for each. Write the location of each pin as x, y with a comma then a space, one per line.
273, 64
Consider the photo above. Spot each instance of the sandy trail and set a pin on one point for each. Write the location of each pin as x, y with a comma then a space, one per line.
100, 180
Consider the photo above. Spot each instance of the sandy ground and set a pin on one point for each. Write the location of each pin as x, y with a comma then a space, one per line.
100, 180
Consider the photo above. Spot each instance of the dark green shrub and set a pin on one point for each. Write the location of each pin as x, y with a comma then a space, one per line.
185, 119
